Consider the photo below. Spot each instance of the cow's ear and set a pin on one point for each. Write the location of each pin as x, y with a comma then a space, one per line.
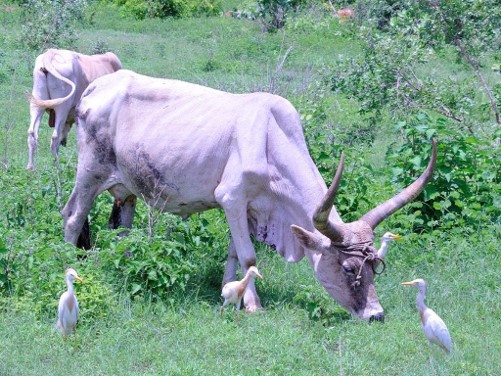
308, 239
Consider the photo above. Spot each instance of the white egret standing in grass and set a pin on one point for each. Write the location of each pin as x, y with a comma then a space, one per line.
434, 328
67, 312
233, 292
387, 238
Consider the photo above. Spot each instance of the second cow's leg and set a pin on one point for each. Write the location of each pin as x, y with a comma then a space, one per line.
59, 128
122, 213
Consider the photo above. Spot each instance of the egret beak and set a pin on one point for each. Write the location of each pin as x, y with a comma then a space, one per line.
411, 283
79, 279
259, 275
395, 237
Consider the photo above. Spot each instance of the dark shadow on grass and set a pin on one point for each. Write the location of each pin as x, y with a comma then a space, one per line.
207, 288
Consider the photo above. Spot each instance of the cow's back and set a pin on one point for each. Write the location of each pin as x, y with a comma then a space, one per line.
95, 66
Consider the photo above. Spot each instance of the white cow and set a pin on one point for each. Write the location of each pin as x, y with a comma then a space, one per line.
59, 79
186, 148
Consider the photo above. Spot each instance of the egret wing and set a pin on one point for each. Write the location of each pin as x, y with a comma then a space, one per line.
441, 335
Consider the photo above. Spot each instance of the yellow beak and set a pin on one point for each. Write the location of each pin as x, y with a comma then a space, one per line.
259, 275
395, 237
411, 283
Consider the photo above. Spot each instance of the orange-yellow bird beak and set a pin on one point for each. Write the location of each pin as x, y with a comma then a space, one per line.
79, 279
411, 283
395, 237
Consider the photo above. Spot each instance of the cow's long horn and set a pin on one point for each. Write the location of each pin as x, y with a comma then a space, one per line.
384, 210
321, 216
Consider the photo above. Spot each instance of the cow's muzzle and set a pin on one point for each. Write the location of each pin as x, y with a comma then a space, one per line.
377, 317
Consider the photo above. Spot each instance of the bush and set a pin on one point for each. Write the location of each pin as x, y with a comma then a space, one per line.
174, 254
270, 14
50, 23
465, 190
142, 9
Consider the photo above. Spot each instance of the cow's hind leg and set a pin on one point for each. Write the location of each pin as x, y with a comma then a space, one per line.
90, 181
36, 114
39, 91
83, 241
230, 272
66, 130
76, 210
122, 213
62, 112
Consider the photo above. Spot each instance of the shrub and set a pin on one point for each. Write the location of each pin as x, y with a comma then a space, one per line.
270, 14
467, 180
142, 9
174, 254
50, 23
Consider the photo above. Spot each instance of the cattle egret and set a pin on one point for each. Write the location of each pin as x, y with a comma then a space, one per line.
67, 312
387, 238
434, 328
233, 292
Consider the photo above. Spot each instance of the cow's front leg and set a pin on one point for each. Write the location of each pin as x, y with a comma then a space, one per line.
236, 215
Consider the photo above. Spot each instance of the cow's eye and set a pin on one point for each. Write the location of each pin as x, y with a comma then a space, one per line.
349, 269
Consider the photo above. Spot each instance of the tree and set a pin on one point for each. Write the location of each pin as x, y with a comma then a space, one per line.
404, 70
387, 75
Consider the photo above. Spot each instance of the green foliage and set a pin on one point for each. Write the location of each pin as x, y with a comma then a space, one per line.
326, 140
50, 23
164, 262
147, 266
465, 190
141, 9
149, 335
319, 307
100, 47
389, 74
271, 14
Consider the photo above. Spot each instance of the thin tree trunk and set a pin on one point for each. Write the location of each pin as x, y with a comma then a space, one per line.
466, 56
475, 68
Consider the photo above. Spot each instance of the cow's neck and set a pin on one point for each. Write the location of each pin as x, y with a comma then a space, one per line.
296, 191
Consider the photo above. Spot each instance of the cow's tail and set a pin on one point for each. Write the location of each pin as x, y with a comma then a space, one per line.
51, 103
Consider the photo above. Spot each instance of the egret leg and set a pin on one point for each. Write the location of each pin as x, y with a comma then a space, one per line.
222, 307
239, 303
431, 362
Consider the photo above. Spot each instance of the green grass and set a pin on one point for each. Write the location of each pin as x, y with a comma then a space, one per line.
189, 337
302, 331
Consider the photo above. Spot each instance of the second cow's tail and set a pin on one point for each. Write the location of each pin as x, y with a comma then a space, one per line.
51, 103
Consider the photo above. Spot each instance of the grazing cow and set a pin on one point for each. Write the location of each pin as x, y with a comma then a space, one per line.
185, 148
59, 79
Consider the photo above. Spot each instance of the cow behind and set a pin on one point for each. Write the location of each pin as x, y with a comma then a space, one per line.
185, 148
59, 79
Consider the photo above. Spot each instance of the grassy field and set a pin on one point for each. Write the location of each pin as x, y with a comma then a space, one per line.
301, 331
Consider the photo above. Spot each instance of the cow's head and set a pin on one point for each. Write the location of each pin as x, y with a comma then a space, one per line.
343, 254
